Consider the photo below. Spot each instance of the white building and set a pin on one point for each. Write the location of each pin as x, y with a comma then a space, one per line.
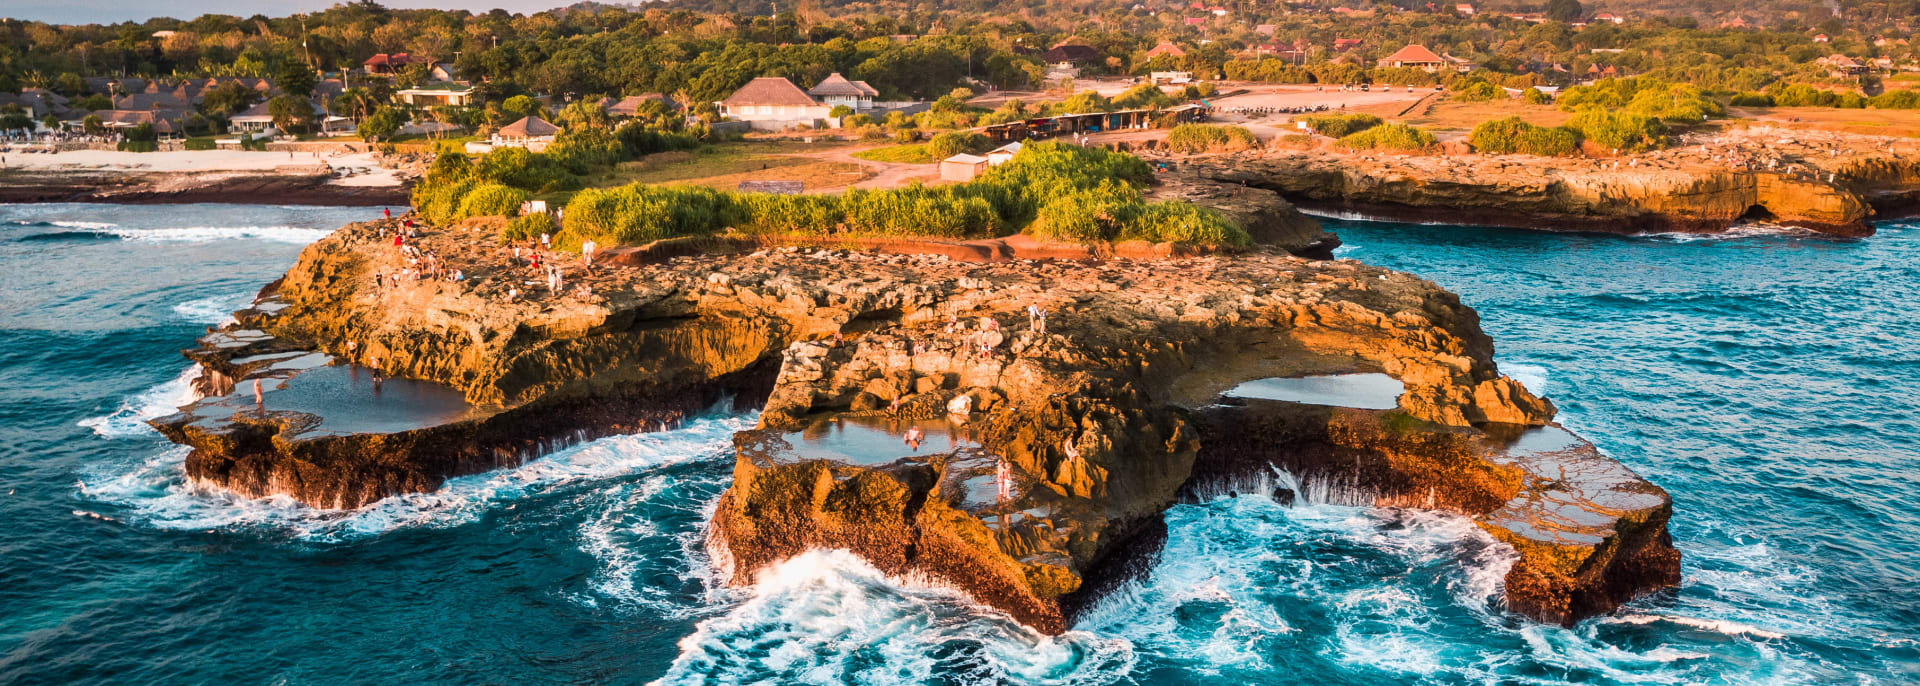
774, 103
836, 90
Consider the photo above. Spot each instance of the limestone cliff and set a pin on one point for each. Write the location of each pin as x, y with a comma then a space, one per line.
1553, 194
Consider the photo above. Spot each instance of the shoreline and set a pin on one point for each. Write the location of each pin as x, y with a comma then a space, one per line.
159, 178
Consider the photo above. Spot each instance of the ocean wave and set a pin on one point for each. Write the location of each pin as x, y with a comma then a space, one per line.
663, 513
1722, 626
158, 493
1238, 577
156, 402
213, 310
829, 617
1738, 231
1532, 376
188, 234
207, 234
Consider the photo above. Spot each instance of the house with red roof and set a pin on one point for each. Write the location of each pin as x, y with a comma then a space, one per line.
1415, 57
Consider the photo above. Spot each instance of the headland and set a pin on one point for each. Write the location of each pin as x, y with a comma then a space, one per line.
1010, 427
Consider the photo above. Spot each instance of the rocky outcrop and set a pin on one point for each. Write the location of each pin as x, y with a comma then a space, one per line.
1064, 442
1550, 194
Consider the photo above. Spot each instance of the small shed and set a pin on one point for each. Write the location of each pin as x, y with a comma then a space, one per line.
962, 167
1003, 154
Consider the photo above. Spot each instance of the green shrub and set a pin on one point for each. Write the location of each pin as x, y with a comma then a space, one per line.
1145, 96
953, 143
1341, 125
439, 200
1051, 189
1751, 100
585, 149
1511, 135
491, 199
1389, 137
200, 144
1478, 91
769, 213
1535, 96
526, 226
1897, 100
1182, 222
1644, 95
137, 146
919, 211
638, 213
1627, 131
1197, 138
639, 139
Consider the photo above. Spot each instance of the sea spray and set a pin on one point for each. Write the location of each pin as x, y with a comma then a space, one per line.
829, 617
161, 400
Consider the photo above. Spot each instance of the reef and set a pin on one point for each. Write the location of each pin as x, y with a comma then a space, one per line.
1048, 447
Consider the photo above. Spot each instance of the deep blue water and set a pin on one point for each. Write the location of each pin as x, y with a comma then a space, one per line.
1767, 381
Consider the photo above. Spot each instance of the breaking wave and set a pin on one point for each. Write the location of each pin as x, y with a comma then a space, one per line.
828, 617
161, 400
158, 494
214, 310
85, 231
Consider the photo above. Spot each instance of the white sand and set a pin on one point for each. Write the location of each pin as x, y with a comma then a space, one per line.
366, 165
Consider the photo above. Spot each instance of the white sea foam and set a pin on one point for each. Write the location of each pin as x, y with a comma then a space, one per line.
160, 495
1722, 626
1533, 376
214, 310
95, 226
627, 540
207, 234
1737, 231
828, 617
153, 403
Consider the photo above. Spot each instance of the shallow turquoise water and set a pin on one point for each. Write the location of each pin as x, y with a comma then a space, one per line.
1767, 381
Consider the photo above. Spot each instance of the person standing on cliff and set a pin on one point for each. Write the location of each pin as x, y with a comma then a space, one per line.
586, 253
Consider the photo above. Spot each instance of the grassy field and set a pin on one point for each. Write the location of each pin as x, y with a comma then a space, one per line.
912, 153
725, 165
1449, 114
1868, 121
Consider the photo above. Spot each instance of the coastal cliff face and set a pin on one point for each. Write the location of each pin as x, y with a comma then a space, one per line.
1063, 442
1544, 193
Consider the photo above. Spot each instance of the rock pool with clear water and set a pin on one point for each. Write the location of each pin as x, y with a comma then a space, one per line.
1768, 381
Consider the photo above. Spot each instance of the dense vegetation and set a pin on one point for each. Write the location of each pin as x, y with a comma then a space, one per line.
1512, 135
1198, 138
1397, 137
1341, 125
1052, 190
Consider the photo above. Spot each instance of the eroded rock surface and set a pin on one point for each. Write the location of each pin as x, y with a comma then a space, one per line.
1832, 195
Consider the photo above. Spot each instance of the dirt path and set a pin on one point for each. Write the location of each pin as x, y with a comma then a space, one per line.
885, 174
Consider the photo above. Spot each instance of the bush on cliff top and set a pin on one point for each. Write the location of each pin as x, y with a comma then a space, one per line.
1389, 137
1197, 138
1512, 135
491, 199
1085, 194
1624, 131
1341, 125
